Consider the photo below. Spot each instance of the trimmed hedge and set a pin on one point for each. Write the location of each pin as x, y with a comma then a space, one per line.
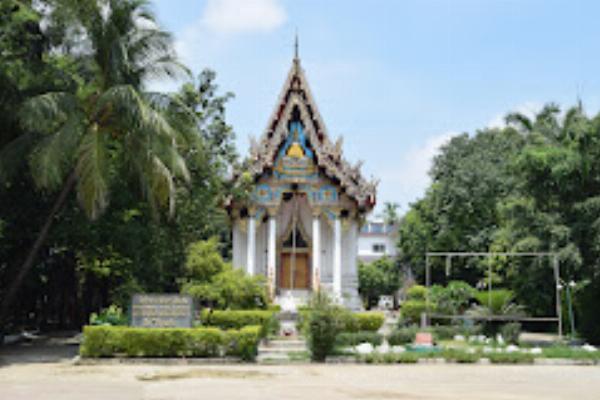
350, 321
411, 310
237, 319
402, 336
511, 358
346, 339
362, 321
118, 341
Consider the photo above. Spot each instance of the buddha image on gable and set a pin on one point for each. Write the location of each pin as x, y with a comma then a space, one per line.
295, 159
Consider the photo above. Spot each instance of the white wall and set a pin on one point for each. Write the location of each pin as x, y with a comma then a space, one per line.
366, 242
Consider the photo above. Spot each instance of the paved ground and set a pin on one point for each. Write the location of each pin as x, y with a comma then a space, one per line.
315, 382
43, 370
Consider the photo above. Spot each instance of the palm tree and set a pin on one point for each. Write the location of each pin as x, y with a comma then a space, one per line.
390, 213
82, 140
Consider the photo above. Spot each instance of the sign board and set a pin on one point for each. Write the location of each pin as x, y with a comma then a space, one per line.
162, 311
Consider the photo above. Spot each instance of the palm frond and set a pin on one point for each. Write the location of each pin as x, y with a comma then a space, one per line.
163, 185
46, 112
520, 121
52, 158
92, 173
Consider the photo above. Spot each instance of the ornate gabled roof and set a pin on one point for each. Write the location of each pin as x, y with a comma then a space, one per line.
296, 95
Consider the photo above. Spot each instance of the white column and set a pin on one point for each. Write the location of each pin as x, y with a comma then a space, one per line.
271, 256
316, 255
251, 248
337, 258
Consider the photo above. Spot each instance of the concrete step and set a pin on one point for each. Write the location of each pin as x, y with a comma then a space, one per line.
285, 343
283, 350
278, 349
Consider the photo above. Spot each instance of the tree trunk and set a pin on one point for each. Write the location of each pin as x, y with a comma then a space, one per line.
15, 285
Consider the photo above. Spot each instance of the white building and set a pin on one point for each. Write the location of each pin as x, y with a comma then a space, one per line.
300, 225
377, 239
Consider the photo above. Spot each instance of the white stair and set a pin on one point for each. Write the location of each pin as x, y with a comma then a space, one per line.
278, 350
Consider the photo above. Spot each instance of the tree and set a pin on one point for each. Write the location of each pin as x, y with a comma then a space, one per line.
81, 140
213, 282
390, 213
532, 186
376, 279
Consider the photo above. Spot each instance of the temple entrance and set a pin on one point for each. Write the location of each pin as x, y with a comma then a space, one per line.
294, 264
295, 274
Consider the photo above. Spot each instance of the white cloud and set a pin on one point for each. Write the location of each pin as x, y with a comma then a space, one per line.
528, 109
243, 16
409, 178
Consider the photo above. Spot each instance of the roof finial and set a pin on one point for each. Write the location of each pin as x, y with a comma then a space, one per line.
296, 57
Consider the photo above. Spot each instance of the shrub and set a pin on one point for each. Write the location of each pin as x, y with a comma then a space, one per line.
110, 341
497, 302
203, 260
411, 310
346, 339
452, 299
417, 292
574, 353
390, 358
230, 288
378, 278
510, 332
113, 315
365, 321
243, 343
402, 336
511, 358
323, 323
460, 356
237, 319
350, 321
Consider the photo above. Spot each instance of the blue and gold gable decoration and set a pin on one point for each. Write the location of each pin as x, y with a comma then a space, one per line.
295, 160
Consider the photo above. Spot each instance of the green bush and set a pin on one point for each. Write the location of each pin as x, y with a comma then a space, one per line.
510, 332
237, 319
411, 310
112, 315
402, 336
323, 324
346, 339
231, 288
365, 321
110, 341
447, 332
459, 356
573, 353
417, 292
452, 299
350, 321
243, 343
390, 358
495, 300
511, 358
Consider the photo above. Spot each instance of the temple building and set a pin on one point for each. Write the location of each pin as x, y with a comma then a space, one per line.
300, 225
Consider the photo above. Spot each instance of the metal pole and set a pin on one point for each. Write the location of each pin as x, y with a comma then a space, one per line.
489, 283
427, 284
558, 302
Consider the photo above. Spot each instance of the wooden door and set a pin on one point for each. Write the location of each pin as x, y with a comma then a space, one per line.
301, 272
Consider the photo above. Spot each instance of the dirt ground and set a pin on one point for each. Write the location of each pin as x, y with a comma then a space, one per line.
43, 369
424, 381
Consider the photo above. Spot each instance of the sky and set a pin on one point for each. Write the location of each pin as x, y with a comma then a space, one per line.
395, 78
